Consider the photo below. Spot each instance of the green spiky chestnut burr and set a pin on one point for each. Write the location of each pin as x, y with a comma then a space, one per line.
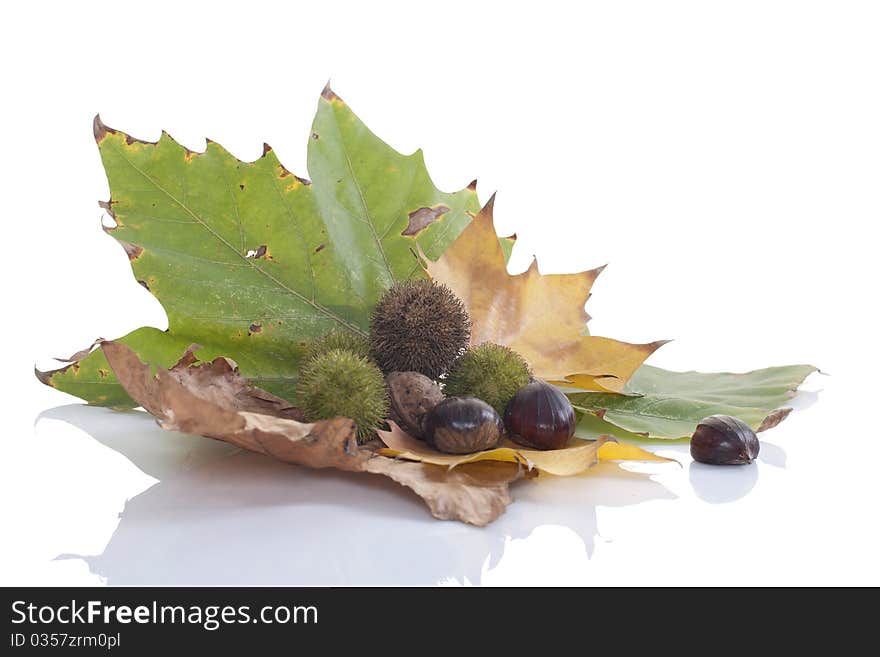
348, 340
490, 372
342, 383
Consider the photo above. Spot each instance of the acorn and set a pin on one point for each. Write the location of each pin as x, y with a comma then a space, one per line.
461, 425
349, 340
491, 372
540, 416
340, 383
418, 326
411, 395
724, 440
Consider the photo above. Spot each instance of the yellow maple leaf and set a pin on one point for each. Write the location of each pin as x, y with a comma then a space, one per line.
575, 458
539, 316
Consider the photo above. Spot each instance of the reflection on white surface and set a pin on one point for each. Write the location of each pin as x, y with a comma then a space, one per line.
720, 484
219, 515
95, 496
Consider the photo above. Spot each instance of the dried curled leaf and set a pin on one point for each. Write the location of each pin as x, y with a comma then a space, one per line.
576, 458
541, 317
212, 399
476, 493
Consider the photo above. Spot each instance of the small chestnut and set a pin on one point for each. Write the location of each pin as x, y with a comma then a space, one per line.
461, 425
540, 416
724, 440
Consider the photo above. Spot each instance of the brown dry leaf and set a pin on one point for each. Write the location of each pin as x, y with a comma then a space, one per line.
214, 400
576, 458
541, 317
475, 493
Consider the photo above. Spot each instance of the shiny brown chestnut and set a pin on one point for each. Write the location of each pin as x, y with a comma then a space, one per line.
724, 440
540, 416
461, 425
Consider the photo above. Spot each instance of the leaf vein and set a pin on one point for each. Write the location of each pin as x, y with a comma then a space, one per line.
301, 242
367, 219
247, 261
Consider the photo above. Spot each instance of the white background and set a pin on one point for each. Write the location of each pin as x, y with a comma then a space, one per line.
723, 157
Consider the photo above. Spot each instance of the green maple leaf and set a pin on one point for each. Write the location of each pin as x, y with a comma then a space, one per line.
669, 405
251, 261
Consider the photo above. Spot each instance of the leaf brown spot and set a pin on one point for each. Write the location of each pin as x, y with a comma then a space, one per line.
266, 149
46, 377
328, 94
773, 419
315, 135
241, 187
99, 129
472, 185
422, 218
103, 373
107, 206
144, 283
261, 251
133, 251
304, 181
320, 248
255, 328
82, 353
